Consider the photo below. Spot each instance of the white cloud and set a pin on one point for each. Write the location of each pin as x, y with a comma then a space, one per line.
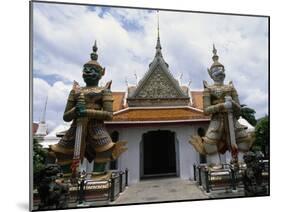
57, 97
40, 90
64, 35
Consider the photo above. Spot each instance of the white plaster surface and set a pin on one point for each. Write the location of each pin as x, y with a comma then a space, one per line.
186, 154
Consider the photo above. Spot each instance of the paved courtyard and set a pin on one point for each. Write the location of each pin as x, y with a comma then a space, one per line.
157, 190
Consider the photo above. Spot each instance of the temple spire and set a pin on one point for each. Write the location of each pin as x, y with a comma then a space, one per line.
158, 23
42, 126
158, 45
43, 118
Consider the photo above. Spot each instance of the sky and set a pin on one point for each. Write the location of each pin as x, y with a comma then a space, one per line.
63, 36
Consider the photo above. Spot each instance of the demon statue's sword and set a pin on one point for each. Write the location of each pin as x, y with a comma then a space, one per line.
231, 130
79, 136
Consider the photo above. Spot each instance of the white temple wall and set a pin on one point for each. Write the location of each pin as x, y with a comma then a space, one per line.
130, 159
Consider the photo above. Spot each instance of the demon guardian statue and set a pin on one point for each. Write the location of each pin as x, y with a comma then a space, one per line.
88, 107
225, 133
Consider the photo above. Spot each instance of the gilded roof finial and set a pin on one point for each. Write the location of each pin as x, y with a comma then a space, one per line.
158, 45
158, 37
94, 55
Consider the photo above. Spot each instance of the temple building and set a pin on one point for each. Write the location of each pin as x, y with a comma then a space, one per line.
157, 117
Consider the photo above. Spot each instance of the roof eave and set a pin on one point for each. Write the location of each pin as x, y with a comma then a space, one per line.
154, 122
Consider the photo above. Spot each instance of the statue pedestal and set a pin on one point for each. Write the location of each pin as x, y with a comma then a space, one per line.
216, 179
224, 182
93, 189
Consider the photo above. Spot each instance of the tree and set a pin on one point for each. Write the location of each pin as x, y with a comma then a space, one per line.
39, 157
262, 136
248, 114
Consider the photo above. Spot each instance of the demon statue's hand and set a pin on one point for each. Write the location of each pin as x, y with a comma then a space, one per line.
80, 109
228, 103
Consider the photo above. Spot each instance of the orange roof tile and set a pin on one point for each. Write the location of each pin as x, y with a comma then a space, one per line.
118, 98
158, 114
197, 98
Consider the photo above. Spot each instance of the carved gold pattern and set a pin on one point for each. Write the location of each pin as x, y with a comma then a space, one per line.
158, 85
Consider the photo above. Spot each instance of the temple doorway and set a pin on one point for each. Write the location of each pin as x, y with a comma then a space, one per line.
158, 154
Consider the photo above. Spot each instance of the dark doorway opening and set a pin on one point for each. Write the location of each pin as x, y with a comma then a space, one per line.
114, 137
159, 154
201, 132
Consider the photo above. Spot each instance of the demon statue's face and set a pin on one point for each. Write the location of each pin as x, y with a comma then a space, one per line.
217, 74
91, 75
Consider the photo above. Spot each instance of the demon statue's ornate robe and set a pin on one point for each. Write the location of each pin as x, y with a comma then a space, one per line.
97, 143
217, 133
224, 133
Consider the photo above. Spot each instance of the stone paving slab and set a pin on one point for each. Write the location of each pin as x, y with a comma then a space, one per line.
158, 190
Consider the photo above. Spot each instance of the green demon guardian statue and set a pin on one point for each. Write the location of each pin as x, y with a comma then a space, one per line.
88, 107
225, 133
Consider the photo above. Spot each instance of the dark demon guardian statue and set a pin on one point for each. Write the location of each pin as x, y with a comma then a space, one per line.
88, 107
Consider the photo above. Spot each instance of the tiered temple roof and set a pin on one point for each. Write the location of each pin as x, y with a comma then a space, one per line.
158, 98
125, 114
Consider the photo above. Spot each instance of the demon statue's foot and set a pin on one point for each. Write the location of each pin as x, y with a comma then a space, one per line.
118, 149
240, 157
197, 142
214, 161
110, 154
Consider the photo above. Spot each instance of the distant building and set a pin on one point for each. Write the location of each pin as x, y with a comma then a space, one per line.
42, 128
55, 135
